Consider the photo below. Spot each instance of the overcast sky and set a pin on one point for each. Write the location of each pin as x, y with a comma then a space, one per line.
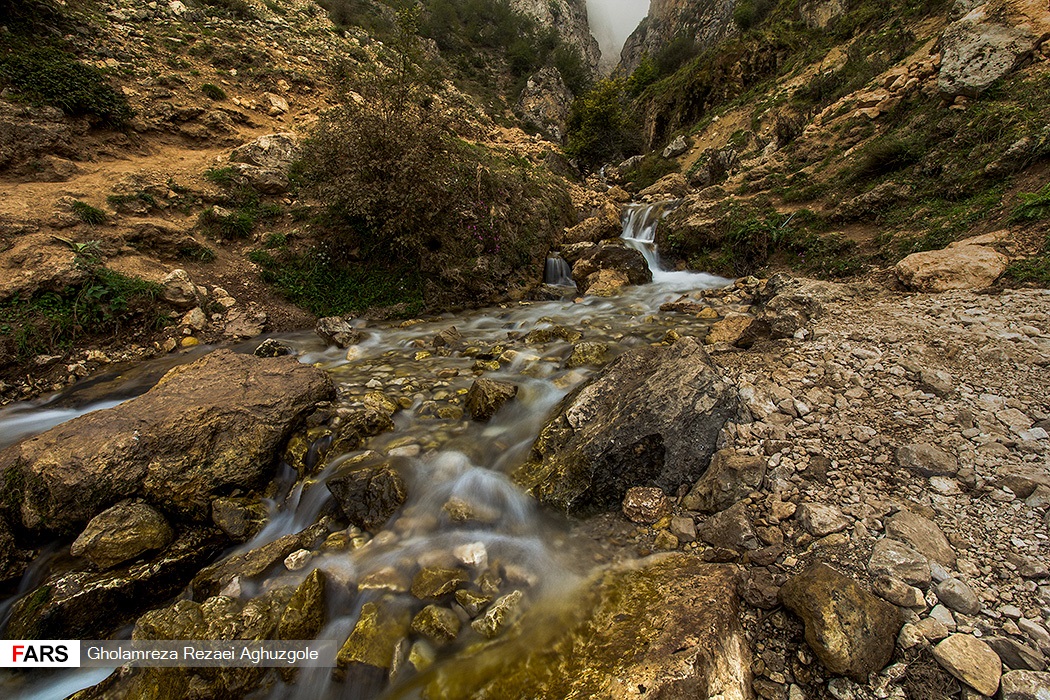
612, 21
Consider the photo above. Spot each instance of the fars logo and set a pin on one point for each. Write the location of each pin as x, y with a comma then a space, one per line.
39, 653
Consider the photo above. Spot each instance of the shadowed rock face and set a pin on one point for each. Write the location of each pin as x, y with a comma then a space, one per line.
203, 430
650, 418
707, 21
666, 628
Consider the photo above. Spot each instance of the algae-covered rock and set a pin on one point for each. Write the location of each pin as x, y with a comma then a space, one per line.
651, 416
588, 353
434, 582
368, 495
501, 613
487, 396
122, 532
439, 625
851, 631
471, 601
240, 518
305, 615
669, 624
374, 639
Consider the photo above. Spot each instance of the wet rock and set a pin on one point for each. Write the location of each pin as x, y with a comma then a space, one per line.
612, 256
304, 617
205, 429
368, 495
448, 338
1025, 685
547, 335
651, 416
851, 631
271, 347
820, 520
503, 612
593, 354
730, 477
670, 624
966, 267
730, 529
958, 596
13, 560
971, 661
487, 396
212, 579
70, 603
435, 582
375, 638
472, 601
459, 510
1017, 656
240, 518
897, 560
645, 504
337, 331
439, 625
123, 532
738, 330
927, 460
923, 535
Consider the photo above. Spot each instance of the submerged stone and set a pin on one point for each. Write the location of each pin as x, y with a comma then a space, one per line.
435, 582
439, 625
369, 495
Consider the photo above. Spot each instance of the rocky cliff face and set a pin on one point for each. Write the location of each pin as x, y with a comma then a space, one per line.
569, 17
706, 21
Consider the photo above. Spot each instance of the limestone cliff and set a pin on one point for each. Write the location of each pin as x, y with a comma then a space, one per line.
705, 21
569, 17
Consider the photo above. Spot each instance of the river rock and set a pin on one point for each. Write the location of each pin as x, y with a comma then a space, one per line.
739, 330
487, 396
958, 596
820, 520
304, 617
651, 416
471, 601
1025, 685
927, 460
645, 504
730, 529
898, 560
503, 612
375, 638
337, 331
971, 661
439, 625
435, 582
613, 256
669, 624
923, 535
13, 560
205, 429
588, 353
730, 477
851, 631
368, 495
241, 518
122, 532
1017, 656
966, 267
271, 347
91, 605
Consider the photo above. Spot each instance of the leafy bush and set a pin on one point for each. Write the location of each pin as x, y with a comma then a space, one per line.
213, 92
51, 76
600, 130
749, 13
1034, 206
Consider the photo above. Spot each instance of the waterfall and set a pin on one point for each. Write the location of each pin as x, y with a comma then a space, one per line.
639, 232
557, 272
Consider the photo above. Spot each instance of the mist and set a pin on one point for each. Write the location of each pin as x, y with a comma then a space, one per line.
612, 21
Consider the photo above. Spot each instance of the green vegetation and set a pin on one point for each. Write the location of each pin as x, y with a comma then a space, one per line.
650, 169
325, 285
195, 252
103, 304
88, 214
52, 76
213, 92
748, 13
121, 200
240, 210
600, 128
1034, 206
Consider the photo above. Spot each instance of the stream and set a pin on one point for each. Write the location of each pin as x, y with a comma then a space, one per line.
444, 457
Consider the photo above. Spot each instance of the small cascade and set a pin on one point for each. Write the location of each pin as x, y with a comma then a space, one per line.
557, 272
639, 232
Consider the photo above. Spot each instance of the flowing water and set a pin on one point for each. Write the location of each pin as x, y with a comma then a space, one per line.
558, 273
445, 458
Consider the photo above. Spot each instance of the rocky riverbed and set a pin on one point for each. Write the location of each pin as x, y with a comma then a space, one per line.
848, 484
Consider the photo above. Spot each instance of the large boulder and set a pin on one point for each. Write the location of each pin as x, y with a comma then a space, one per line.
603, 225
670, 625
649, 418
990, 41
965, 267
205, 429
269, 151
613, 256
972, 661
851, 631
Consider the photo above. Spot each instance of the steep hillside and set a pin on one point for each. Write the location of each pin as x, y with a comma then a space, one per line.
833, 138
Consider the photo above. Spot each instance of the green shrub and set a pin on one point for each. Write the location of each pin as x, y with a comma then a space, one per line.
1034, 206
223, 177
50, 76
885, 156
649, 170
213, 92
238, 224
195, 252
600, 130
88, 214
749, 13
